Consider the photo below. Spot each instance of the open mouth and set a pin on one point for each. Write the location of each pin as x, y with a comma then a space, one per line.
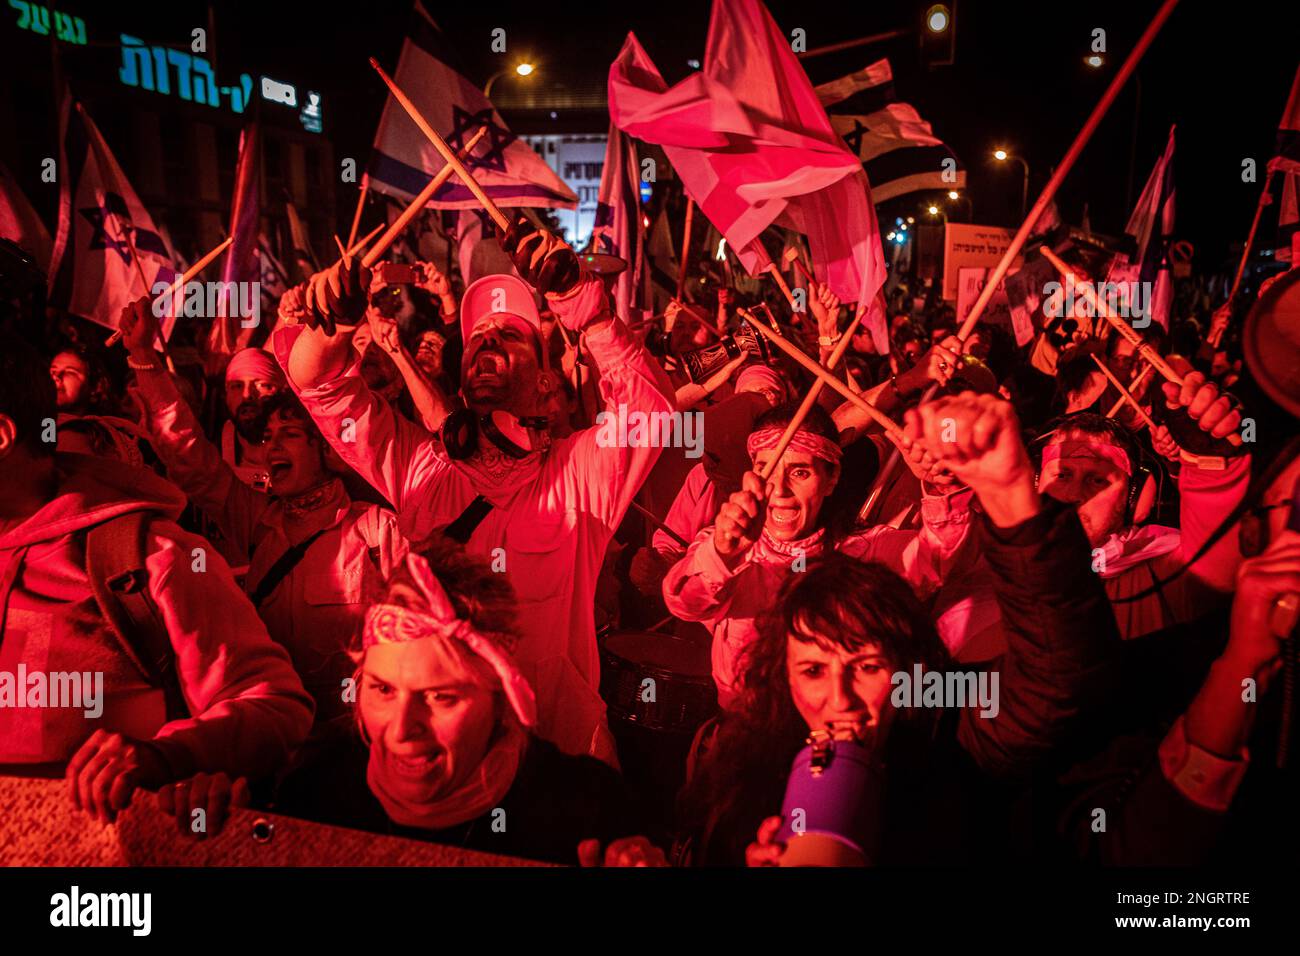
490, 364
783, 517
414, 765
279, 469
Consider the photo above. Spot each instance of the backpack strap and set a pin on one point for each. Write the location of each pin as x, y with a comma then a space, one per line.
469, 519
119, 577
282, 566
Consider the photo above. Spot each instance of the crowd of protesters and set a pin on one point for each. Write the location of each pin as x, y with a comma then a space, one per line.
370, 574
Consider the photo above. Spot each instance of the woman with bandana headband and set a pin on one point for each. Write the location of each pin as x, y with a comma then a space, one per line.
769, 530
441, 744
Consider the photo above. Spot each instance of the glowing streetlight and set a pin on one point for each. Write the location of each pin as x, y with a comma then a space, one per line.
933, 210
937, 18
952, 194
1000, 155
521, 69
1094, 61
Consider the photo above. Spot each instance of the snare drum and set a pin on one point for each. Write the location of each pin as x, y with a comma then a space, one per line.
657, 681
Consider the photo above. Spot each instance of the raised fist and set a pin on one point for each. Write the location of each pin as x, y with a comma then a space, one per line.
138, 325
337, 296
825, 307
543, 260
925, 466
740, 519
292, 309
975, 437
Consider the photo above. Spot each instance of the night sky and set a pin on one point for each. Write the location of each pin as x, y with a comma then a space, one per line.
1220, 71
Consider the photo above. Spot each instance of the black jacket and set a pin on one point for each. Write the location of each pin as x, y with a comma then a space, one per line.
555, 802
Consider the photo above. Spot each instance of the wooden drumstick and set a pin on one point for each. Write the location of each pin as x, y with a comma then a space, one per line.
1124, 394
1144, 348
186, 278
1138, 381
375, 252
361, 243
448, 154
884, 421
810, 399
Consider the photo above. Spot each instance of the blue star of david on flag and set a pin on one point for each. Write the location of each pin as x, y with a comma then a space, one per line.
115, 206
465, 124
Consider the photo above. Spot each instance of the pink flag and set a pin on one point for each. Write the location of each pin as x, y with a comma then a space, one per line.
1287, 153
20, 222
753, 145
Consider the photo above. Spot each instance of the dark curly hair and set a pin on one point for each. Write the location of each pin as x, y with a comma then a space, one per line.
847, 604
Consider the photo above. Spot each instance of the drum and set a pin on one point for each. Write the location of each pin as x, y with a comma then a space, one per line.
657, 681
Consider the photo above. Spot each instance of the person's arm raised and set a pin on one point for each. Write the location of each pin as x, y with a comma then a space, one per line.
335, 304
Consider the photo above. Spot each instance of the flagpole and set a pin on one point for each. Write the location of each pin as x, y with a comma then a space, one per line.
180, 283
686, 247
1265, 199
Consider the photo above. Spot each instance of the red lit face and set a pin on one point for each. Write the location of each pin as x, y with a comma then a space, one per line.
831, 685
244, 400
428, 354
1095, 486
429, 717
293, 456
500, 370
796, 490
70, 380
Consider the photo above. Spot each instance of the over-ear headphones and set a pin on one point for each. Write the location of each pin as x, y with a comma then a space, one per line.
460, 432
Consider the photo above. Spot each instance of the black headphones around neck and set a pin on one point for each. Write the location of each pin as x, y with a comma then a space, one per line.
461, 430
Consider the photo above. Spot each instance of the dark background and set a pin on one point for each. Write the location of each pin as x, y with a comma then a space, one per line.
1221, 71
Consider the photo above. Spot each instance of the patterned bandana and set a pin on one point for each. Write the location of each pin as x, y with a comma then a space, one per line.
766, 439
390, 623
299, 506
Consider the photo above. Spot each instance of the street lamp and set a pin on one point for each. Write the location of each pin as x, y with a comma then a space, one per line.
937, 18
1094, 61
522, 69
1001, 155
